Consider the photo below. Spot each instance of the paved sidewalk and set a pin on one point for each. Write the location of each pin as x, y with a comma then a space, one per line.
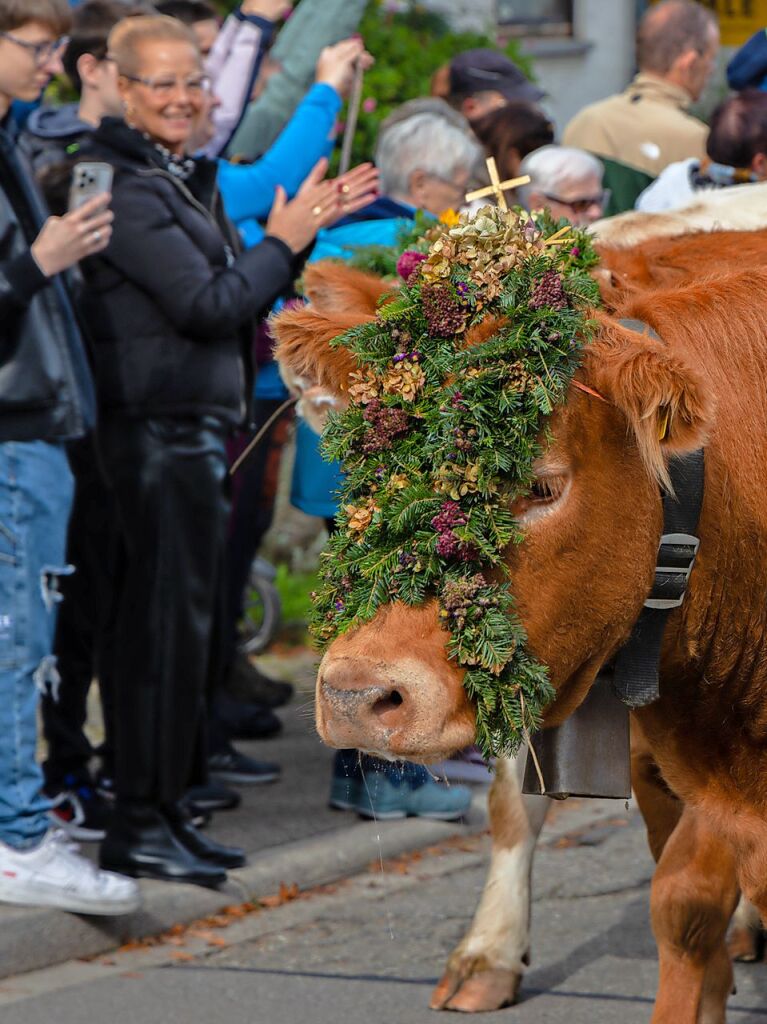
291, 835
371, 948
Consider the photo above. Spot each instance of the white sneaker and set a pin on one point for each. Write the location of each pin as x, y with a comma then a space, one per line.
54, 874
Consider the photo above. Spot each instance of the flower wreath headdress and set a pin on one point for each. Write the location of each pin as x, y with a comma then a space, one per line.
440, 438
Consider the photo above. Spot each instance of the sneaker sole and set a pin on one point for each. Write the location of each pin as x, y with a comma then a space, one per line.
395, 815
463, 773
85, 835
18, 896
342, 805
242, 778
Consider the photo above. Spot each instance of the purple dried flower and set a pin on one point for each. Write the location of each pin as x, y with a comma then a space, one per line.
339, 605
409, 261
549, 292
450, 514
444, 314
457, 401
462, 288
447, 545
400, 357
384, 424
575, 251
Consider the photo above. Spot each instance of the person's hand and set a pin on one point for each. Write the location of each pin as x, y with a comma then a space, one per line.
317, 204
357, 188
270, 10
336, 64
64, 241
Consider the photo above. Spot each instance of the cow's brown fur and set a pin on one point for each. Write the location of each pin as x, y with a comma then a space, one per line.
663, 262
582, 574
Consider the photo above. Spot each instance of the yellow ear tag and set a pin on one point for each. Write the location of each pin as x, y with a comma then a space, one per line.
663, 423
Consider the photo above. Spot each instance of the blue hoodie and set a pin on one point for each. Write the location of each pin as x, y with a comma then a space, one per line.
52, 135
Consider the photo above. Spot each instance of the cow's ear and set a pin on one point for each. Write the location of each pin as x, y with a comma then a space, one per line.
303, 347
665, 400
336, 288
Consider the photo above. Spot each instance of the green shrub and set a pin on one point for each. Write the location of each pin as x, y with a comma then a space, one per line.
409, 46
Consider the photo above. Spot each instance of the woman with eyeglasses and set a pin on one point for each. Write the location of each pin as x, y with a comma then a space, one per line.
565, 181
171, 306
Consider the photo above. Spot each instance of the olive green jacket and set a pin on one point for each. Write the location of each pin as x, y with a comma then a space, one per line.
313, 25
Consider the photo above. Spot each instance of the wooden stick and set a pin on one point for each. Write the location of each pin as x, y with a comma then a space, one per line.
530, 747
353, 116
253, 444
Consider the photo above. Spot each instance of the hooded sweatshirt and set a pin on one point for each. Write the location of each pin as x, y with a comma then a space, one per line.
53, 136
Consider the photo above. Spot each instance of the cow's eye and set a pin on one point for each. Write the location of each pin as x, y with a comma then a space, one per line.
548, 488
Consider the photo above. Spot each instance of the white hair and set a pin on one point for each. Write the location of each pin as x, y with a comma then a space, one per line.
553, 168
426, 142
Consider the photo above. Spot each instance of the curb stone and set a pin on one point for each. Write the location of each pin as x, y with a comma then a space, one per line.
31, 939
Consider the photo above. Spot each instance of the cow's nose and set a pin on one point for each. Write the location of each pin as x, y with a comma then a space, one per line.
363, 694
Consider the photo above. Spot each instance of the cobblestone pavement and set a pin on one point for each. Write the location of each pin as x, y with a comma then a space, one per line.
371, 948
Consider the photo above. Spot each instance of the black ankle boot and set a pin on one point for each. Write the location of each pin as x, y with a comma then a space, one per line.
202, 846
141, 843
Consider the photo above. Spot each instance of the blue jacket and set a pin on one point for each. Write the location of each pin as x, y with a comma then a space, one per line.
316, 483
748, 66
248, 189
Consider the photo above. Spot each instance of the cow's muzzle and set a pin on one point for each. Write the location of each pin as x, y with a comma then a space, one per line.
394, 708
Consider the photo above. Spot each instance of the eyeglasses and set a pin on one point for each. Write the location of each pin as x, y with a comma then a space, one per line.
457, 189
41, 52
601, 199
196, 85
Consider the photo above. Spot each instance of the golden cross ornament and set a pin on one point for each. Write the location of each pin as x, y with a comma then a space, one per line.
497, 187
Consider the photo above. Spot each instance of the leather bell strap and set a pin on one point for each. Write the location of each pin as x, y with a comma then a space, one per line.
637, 664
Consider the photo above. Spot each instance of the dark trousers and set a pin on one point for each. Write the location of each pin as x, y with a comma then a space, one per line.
252, 511
168, 478
83, 638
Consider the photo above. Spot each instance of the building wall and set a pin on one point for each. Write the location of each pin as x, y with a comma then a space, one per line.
596, 62
467, 15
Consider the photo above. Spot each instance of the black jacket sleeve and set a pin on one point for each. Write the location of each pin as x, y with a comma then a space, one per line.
20, 280
150, 248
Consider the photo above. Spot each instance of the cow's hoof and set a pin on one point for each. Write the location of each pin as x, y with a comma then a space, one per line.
746, 944
486, 990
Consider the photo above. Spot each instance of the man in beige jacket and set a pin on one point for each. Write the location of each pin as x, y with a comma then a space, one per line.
640, 131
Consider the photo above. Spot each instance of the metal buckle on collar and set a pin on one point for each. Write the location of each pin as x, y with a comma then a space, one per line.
676, 557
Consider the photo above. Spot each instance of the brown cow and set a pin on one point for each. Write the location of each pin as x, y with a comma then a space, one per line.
707, 733
661, 262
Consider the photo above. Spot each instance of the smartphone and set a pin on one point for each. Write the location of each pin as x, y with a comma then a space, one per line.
89, 179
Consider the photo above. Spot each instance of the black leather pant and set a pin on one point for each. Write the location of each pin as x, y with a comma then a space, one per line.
83, 638
168, 477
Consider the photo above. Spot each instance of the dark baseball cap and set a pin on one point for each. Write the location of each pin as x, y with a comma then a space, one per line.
476, 71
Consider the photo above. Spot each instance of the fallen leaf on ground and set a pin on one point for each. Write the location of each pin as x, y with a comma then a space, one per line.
285, 895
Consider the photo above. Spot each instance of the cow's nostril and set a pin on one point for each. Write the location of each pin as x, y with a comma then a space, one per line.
388, 703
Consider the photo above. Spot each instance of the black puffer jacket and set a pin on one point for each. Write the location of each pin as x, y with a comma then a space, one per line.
46, 391
170, 307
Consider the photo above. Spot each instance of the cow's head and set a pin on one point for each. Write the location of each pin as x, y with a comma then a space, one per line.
591, 529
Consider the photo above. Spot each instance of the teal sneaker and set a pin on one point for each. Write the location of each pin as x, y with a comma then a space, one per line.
409, 791
346, 792
346, 789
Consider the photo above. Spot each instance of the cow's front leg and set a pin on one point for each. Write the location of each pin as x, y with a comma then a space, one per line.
694, 893
485, 969
746, 939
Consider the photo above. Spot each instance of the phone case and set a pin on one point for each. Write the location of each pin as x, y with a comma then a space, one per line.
89, 179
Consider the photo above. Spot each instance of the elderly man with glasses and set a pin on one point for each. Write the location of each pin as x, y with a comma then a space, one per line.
566, 181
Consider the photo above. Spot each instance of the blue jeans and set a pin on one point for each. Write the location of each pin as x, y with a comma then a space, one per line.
35, 500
